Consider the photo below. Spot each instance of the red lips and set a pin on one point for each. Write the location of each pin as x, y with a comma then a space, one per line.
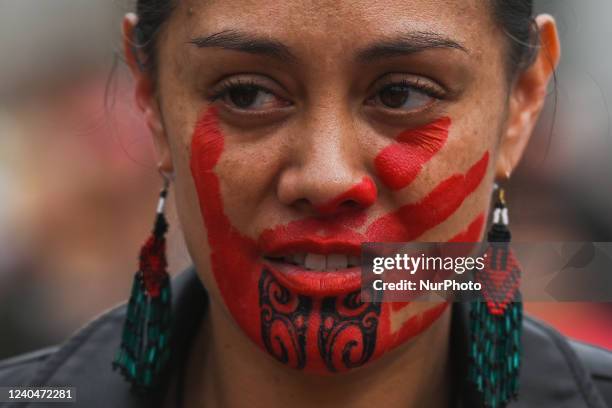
314, 236
315, 283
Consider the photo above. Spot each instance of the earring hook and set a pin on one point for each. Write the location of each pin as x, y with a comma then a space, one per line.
164, 192
502, 196
501, 193
167, 179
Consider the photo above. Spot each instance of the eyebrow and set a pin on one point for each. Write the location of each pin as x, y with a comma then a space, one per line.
249, 43
406, 44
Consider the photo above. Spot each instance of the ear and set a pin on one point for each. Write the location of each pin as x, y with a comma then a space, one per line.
527, 97
144, 92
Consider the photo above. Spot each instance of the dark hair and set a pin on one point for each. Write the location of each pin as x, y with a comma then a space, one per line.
152, 15
516, 19
514, 16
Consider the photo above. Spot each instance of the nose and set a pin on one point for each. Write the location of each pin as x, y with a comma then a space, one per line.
326, 175
360, 196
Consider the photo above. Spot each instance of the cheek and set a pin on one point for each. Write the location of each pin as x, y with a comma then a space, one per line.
246, 173
409, 222
233, 257
472, 232
398, 164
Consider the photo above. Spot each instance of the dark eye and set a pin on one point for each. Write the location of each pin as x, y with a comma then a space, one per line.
245, 96
249, 97
398, 96
394, 96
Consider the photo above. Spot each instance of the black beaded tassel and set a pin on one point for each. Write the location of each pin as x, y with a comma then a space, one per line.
496, 320
145, 342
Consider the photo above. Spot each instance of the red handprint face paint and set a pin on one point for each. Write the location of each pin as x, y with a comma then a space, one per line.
399, 164
294, 290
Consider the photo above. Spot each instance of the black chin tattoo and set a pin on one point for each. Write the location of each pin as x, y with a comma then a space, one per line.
346, 336
284, 320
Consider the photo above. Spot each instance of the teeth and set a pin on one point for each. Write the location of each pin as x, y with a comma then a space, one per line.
299, 259
336, 261
354, 260
319, 262
315, 262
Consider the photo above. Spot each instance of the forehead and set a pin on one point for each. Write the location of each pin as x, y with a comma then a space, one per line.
338, 24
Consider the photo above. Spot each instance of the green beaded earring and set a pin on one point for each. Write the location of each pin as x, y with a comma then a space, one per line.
145, 341
496, 319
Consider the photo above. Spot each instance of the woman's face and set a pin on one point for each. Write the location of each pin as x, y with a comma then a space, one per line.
299, 129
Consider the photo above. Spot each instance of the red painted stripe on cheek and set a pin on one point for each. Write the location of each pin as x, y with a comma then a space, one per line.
419, 323
234, 259
399, 305
472, 233
412, 220
400, 163
206, 149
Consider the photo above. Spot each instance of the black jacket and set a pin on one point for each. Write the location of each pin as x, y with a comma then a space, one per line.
555, 372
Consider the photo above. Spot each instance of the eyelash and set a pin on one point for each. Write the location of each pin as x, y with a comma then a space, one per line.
420, 86
232, 84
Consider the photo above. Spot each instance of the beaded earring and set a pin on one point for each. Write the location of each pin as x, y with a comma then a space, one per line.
145, 341
496, 318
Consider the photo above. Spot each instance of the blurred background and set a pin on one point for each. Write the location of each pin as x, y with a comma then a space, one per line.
78, 182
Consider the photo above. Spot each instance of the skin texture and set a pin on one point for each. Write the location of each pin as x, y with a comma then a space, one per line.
324, 158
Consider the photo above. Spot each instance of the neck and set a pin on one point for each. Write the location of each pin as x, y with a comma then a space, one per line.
225, 369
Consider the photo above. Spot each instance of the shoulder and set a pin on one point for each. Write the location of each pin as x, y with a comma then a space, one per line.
84, 361
81, 350
598, 362
555, 365
18, 371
